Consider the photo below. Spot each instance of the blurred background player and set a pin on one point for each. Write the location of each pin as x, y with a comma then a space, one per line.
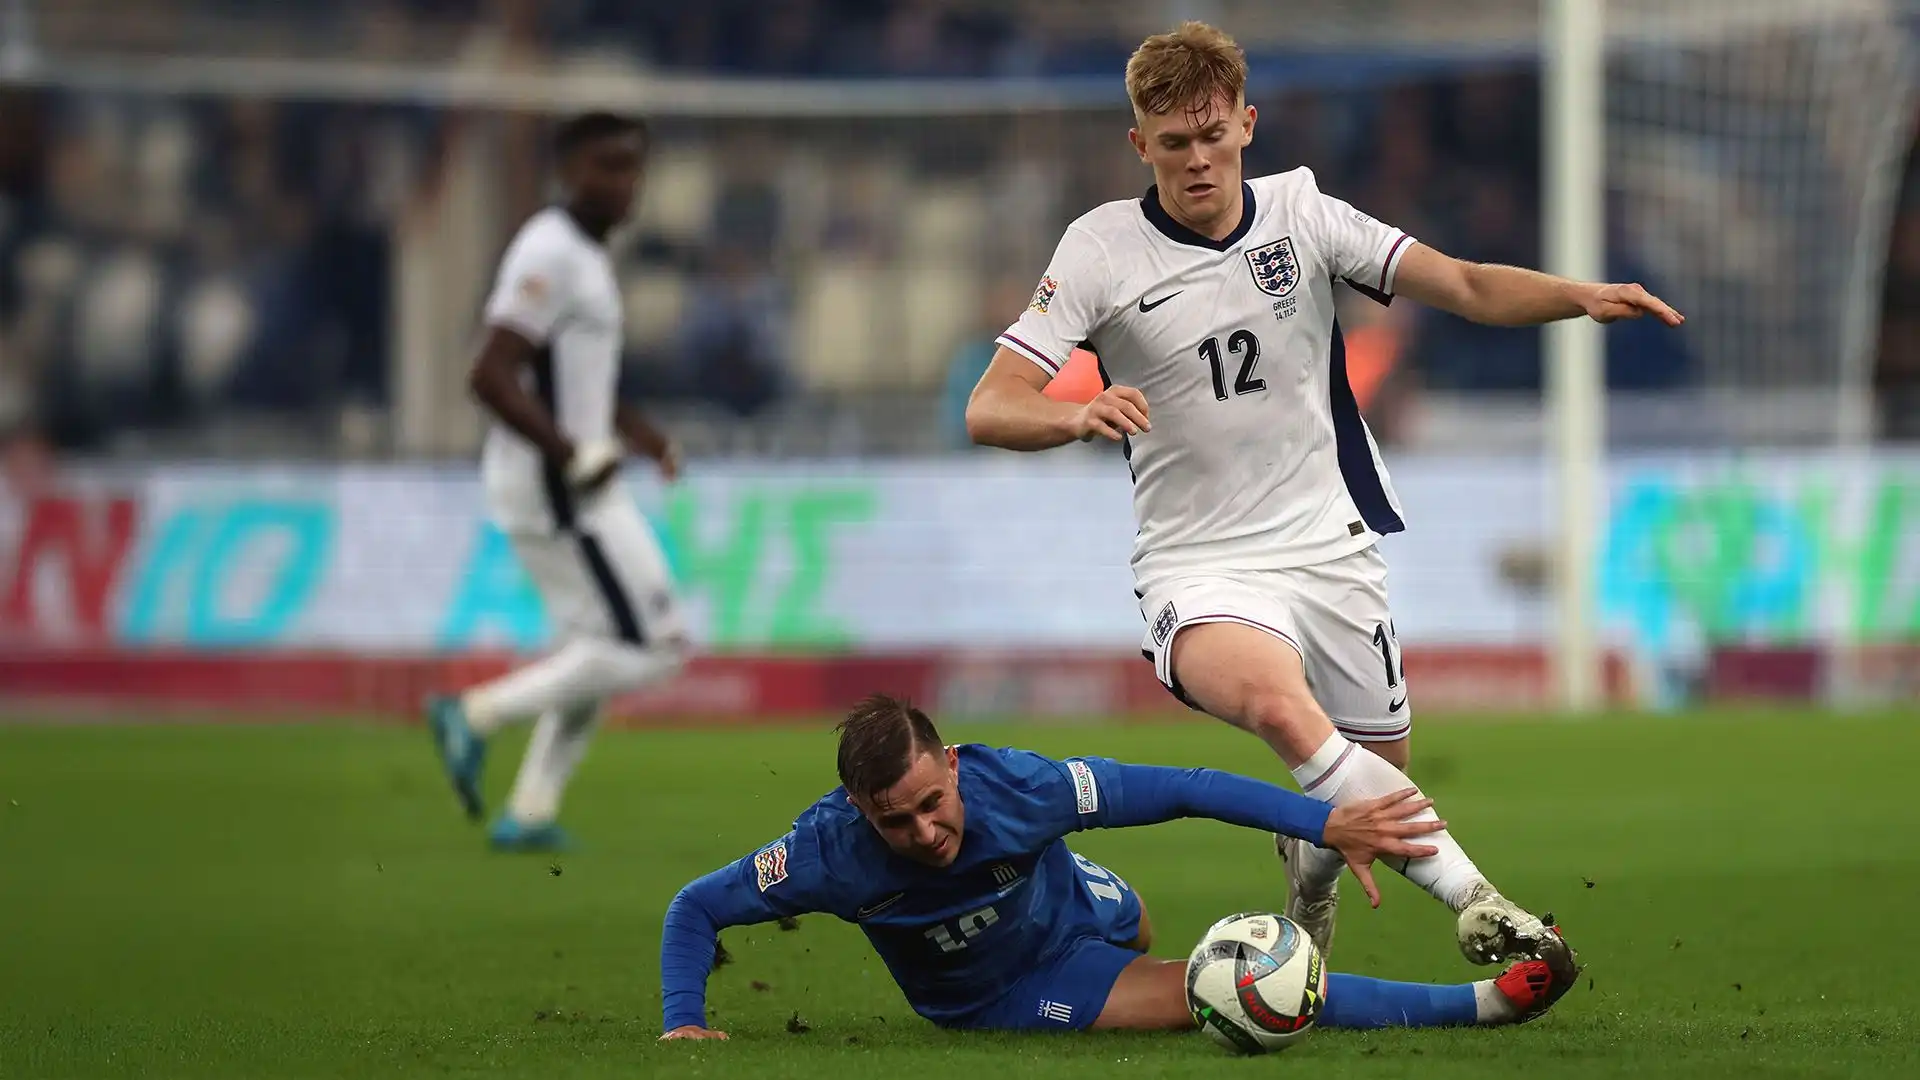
1259, 493
988, 921
548, 372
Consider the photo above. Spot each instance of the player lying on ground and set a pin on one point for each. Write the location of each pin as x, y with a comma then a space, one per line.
548, 372
951, 859
1258, 490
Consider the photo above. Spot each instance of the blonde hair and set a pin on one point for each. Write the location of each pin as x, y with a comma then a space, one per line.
1189, 68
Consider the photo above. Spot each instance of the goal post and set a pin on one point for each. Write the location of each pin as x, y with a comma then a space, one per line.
1574, 85
1747, 154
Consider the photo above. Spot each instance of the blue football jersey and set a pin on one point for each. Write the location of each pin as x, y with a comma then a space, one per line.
948, 934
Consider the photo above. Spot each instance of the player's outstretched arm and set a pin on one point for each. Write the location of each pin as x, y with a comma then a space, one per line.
694, 920
1512, 296
1127, 795
759, 888
1010, 410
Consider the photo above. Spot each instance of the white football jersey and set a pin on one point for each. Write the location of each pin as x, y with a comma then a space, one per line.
1258, 457
556, 288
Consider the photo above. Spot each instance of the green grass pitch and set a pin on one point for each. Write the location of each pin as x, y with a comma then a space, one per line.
270, 903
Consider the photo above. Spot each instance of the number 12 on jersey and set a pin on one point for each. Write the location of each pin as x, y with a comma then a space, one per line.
1240, 343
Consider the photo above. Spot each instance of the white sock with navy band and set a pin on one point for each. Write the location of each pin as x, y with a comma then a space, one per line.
1341, 772
582, 672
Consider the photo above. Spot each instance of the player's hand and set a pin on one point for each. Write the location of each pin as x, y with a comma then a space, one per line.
1117, 412
669, 461
592, 464
693, 1031
1611, 303
1365, 831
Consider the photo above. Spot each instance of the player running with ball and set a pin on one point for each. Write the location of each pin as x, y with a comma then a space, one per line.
952, 860
1258, 490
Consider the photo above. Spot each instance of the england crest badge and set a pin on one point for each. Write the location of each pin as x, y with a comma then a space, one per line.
1164, 623
1275, 268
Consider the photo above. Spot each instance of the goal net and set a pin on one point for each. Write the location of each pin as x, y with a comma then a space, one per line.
1755, 149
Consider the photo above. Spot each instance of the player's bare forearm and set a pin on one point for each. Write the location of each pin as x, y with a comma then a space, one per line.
495, 382
1486, 293
639, 432
1009, 410
1496, 295
1515, 296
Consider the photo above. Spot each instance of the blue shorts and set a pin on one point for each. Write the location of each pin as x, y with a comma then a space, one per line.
1068, 988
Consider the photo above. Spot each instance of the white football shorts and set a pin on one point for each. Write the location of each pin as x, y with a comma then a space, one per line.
1334, 615
605, 577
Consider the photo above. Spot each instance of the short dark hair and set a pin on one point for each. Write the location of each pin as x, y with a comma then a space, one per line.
578, 131
879, 740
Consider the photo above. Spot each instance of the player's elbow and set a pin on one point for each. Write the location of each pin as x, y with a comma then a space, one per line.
982, 426
480, 381
979, 424
1480, 296
487, 379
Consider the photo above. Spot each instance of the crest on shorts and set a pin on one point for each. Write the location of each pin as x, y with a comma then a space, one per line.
1275, 268
1163, 625
770, 865
1043, 295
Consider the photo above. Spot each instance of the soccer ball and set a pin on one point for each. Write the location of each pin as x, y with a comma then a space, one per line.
1256, 983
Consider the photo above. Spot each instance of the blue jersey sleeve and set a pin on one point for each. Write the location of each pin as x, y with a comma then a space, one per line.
1111, 795
787, 877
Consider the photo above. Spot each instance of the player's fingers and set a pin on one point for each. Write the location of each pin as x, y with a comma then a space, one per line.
1136, 416
1409, 851
1408, 808
1100, 426
1117, 419
1661, 309
1116, 415
1129, 394
1364, 871
1393, 799
1416, 828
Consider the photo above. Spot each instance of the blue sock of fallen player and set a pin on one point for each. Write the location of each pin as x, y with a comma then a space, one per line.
1355, 1001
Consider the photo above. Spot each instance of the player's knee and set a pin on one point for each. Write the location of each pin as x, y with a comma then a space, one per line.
1287, 719
1396, 753
633, 664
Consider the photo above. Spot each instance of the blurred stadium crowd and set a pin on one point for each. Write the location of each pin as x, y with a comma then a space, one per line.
170, 265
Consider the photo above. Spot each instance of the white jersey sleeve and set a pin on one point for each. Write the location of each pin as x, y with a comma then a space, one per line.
1363, 252
531, 289
1069, 303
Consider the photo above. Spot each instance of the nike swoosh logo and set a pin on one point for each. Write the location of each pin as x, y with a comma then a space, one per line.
870, 912
1146, 307
1396, 706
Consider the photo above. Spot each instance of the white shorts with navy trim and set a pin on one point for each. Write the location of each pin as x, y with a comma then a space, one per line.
604, 576
1334, 615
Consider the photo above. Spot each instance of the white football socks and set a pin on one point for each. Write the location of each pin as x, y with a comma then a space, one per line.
558, 743
1491, 1006
1342, 773
582, 672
